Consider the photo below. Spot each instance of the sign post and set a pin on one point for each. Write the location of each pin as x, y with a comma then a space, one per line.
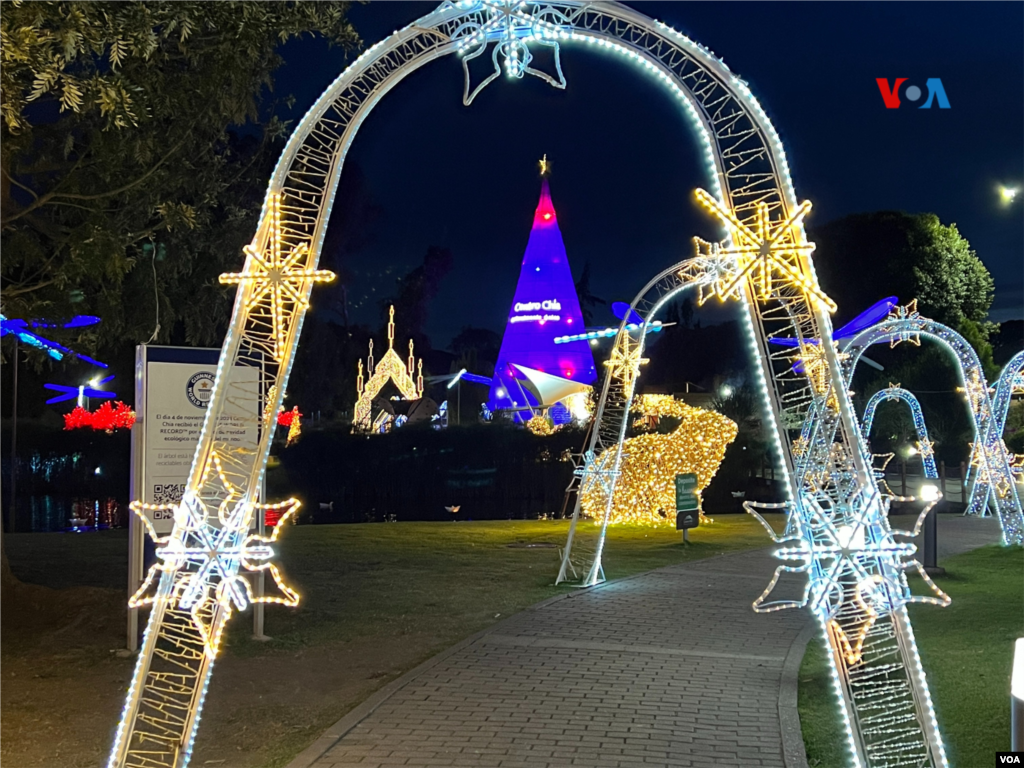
172, 391
687, 504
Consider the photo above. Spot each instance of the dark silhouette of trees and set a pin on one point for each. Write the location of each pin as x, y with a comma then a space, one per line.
868, 256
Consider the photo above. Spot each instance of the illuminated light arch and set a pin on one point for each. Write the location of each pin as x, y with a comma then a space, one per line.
1011, 381
993, 480
834, 508
894, 392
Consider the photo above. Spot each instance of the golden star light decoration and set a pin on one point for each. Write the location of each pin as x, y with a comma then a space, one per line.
814, 362
278, 283
905, 312
772, 252
625, 361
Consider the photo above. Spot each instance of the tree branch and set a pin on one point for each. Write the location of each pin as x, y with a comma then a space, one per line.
53, 194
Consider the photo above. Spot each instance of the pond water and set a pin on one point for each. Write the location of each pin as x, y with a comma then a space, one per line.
49, 514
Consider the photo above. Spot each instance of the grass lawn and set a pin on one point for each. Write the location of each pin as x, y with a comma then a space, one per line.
967, 652
377, 600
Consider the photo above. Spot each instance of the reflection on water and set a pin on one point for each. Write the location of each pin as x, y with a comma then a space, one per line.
47, 514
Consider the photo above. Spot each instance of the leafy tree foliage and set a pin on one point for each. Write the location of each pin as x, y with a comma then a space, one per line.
122, 191
866, 257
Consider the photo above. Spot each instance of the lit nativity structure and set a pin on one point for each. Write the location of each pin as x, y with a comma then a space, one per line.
393, 394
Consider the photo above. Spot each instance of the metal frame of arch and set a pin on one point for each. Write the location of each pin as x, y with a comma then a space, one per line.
838, 534
992, 481
894, 392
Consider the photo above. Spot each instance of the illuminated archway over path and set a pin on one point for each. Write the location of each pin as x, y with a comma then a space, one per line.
856, 586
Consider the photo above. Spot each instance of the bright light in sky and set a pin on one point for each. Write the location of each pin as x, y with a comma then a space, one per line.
1008, 194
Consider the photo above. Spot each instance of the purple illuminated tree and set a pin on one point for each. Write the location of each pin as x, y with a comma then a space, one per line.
545, 306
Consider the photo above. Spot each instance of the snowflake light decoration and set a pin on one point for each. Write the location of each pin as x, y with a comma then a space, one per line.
720, 270
512, 24
205, 557
843, 554
597, 472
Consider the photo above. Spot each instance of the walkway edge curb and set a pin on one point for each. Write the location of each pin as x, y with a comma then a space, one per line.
793, 753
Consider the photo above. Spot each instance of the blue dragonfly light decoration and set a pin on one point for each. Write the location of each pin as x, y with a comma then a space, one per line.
80, 392
873, 314
20, 330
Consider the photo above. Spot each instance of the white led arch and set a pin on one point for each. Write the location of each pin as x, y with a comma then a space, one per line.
991, 481
835, 507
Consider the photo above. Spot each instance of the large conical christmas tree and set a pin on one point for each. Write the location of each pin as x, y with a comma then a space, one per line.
545, 306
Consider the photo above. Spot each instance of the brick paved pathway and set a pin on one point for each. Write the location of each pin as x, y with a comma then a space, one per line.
669, 668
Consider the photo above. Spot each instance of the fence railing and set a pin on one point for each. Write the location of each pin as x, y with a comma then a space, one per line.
906, 479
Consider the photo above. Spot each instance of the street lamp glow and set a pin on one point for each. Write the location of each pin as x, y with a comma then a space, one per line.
911, 451
726, 391
1008, 194
929, 492
1017, 678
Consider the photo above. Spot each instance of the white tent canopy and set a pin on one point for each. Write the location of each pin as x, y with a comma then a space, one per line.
550, 389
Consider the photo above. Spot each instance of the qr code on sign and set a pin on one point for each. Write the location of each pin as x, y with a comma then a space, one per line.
168, 494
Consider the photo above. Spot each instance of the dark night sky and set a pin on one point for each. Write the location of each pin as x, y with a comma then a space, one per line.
624, 156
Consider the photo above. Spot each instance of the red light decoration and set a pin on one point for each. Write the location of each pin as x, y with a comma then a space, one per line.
285, 418
293, 420
271, 517
106, 418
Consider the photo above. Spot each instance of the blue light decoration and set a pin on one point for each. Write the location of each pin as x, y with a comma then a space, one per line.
924, 446
620, 309
440, 419
20, 330
79, 392
545, 303
606, 333
870, 316
474, 378
560, 414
